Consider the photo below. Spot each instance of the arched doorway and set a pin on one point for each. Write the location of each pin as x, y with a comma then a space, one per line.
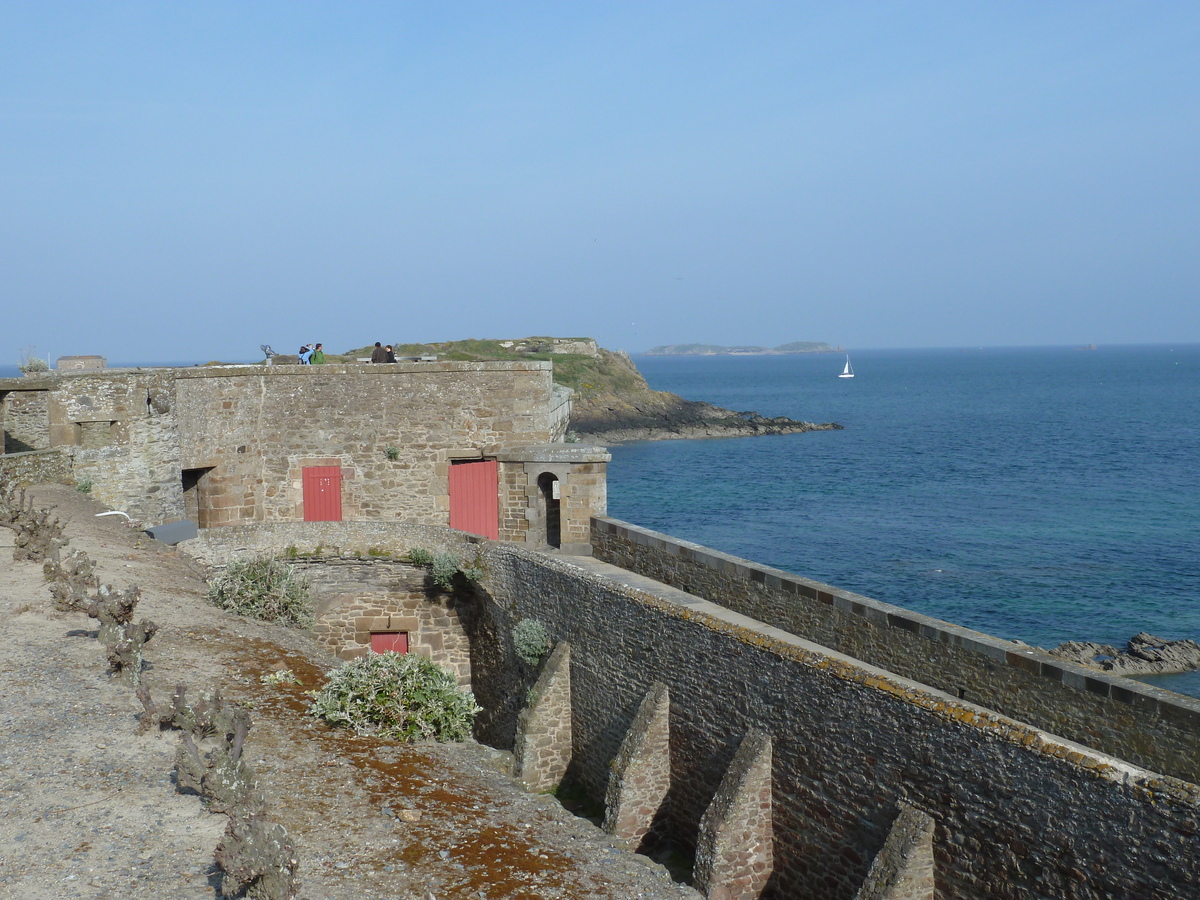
548, 489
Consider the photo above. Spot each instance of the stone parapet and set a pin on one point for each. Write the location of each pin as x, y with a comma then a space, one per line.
1148, 726
1021, 812
354, 540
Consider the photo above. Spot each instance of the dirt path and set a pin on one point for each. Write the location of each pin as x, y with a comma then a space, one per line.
88, 807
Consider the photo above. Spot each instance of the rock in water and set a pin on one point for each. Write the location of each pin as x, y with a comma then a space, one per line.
1145, 654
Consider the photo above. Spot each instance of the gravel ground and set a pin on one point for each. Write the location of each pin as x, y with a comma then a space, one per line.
88, 807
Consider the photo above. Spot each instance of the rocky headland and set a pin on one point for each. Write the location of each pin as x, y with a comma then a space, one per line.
627, 409
1145, 654
613, 403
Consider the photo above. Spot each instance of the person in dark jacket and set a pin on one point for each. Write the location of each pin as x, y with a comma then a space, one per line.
378, 355
391, 354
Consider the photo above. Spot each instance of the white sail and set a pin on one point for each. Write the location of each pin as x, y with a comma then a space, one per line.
847, 372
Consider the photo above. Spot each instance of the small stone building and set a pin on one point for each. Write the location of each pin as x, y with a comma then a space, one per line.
476, 446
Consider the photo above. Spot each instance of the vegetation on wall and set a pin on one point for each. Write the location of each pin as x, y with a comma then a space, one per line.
531, 641
443, 566
396, 695
266, 588
31, 362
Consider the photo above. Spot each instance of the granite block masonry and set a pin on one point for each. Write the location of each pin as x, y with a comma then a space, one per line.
234, 445
543, 746
641, 771
733, 852
904, 868
1019, 812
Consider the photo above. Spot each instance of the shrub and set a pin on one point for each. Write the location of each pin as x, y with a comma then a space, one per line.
31, 362
84, 485
420, 557
392, 453
442, 569
443, 566
396, 695
263, 588
531, 641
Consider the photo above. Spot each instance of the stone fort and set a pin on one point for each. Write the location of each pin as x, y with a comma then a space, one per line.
798, 740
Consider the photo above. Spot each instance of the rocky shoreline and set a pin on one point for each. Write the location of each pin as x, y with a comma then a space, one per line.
1145, 654
637, 413
684, 419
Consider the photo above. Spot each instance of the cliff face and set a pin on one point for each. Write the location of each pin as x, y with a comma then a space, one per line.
627, 409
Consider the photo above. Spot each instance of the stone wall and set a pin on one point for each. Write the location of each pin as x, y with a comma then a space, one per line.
904, 868
25, 421
530, 515
360, 582
1019, 813
354, 597
125, 440
346, 540
117, 428
234, 444
1154, 728
37, 467
256, 429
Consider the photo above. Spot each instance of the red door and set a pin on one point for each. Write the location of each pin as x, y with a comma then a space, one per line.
474, 498
322, 494
389, 641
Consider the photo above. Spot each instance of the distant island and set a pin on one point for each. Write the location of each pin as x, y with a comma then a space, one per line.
743, 350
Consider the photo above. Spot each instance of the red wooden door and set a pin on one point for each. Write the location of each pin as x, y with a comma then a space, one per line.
395, 642
474, 498
322, 494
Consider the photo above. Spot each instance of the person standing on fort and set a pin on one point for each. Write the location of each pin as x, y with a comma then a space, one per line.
378, 355
318, 355
305, 354
391, 354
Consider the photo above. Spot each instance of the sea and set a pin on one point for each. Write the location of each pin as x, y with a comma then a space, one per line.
1039, 494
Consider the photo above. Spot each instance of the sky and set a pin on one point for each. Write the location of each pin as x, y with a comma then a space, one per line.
187, 181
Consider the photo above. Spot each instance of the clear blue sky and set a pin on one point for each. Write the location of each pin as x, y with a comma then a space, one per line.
185, 181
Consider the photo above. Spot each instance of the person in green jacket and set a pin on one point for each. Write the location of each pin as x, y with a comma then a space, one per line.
318, 355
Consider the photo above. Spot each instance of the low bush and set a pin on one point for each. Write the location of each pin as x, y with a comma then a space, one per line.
396, 695
530, 640
31, 362
443, 566
264, 588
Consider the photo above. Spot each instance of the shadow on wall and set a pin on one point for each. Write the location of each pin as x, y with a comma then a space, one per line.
502, 680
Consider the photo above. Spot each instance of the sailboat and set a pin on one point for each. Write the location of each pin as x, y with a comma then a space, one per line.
847, 372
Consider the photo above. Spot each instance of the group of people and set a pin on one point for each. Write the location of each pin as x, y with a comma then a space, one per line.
383, 354
312, 355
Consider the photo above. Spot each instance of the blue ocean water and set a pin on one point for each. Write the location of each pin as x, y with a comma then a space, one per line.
1040, 494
